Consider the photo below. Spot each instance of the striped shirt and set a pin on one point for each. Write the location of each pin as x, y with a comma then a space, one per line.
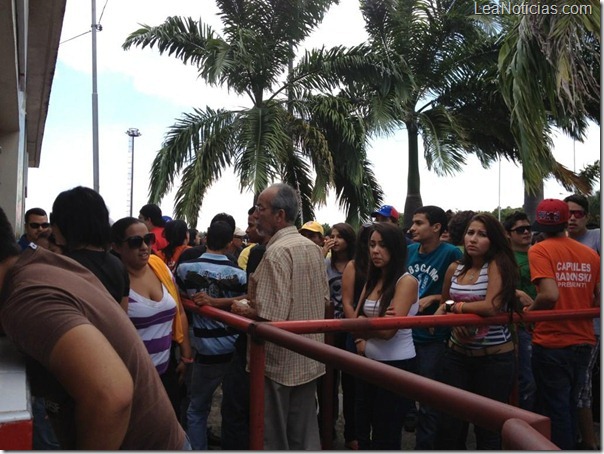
487, 335
217, 276
153, 321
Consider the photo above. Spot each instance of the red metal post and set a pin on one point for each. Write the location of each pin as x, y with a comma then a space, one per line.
257, 364
327, 394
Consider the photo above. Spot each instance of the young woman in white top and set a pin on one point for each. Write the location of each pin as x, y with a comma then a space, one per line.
380, 412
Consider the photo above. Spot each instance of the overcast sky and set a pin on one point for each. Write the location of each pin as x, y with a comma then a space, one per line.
141, 89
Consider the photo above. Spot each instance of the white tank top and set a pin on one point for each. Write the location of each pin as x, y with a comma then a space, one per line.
398, 347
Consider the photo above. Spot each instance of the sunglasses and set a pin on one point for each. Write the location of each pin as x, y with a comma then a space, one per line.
37, 225
134, 242
578, 214
522, 229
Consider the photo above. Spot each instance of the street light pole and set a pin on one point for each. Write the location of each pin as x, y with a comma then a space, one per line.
95, 106
132, 133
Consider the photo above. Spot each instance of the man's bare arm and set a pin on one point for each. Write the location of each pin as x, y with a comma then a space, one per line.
93, 374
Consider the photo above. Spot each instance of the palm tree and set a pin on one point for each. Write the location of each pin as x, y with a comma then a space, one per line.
549, 67
290, 132
435, 42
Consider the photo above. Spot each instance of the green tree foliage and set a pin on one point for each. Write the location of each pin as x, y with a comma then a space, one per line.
290, 131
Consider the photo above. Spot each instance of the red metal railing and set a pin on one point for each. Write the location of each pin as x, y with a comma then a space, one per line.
520, 429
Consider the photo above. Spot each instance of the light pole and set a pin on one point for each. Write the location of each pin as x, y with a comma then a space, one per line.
132, 133
95, 104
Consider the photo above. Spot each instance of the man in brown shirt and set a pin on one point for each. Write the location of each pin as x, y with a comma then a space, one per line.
101, 389
289, 284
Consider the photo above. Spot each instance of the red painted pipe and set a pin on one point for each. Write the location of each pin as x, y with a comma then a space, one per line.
476, 409
517, 435
425, 321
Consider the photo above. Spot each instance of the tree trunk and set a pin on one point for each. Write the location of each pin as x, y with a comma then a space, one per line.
414, 197
531, 201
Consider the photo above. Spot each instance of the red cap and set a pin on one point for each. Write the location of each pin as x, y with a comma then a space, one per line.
551, 216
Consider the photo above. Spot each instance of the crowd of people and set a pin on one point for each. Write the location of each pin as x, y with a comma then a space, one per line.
115, 361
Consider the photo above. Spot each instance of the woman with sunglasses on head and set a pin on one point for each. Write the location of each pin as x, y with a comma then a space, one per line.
80, 226
479, 359
154, 304
380, 412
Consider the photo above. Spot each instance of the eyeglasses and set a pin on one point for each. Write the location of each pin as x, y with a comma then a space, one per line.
522, 229
578, 214
37, 225
134, 242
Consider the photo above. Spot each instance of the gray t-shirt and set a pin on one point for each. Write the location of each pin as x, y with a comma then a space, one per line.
591, 238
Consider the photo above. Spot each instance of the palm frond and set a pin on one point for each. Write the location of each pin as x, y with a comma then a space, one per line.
200, 135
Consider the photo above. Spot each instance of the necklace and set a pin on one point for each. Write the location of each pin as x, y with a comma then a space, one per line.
471, 274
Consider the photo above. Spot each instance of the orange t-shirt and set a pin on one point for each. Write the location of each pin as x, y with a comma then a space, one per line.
576, 270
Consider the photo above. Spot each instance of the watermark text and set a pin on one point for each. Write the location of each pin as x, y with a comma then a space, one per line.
502, 8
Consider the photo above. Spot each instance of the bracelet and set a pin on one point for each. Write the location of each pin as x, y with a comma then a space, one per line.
187, 360
356, 341
461, 307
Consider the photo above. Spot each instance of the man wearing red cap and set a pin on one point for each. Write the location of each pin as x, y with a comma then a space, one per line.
566, 274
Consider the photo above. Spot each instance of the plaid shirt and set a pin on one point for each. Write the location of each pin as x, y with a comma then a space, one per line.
290, 284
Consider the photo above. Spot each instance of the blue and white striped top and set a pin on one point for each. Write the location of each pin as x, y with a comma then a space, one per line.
153, 321
487, 335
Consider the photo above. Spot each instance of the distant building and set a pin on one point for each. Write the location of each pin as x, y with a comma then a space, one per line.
30, 31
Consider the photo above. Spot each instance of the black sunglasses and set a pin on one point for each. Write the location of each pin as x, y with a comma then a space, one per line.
134, 242
522, 229
37, 225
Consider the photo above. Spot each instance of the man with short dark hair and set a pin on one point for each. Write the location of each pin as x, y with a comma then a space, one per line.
213, 280
428, 259
578, 208
518, 229
567, 276
289, 284
36, 226
88, 361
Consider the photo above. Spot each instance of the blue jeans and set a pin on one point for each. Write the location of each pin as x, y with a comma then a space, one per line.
235, 409
489, 376
44, 437
429, 362
527, 389
380, 412
205, 378
560, 374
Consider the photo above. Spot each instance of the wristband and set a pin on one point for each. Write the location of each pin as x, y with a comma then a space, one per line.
187, 360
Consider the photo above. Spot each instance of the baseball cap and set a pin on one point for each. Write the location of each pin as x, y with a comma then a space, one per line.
387, 210
313, 226
238, 233
551, 216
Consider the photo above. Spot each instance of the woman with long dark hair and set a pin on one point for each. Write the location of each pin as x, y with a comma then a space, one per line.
479, 359
380, 412
341, 244
176, 234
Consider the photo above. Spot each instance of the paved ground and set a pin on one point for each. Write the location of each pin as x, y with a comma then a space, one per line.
407, 439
